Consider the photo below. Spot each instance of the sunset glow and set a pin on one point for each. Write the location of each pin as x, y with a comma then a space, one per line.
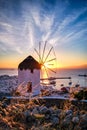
63, 24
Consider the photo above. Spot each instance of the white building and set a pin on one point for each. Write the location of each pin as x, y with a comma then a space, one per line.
29, 71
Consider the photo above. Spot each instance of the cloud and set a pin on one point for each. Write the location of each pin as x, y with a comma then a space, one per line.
45, 36
36, 17
8, 39
37, 23
70, 19
67, 31
6, 25
16, 36
30, 35
44, 22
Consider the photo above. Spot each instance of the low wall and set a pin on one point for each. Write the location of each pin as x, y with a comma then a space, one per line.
82, 105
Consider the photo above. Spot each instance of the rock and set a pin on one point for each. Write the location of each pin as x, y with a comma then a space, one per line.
55, 121
76, 113
54, 115
48, 114
66, 123
84, 116
69, 112
77, 127
34, 128
47, 117
35, 111
4, 105
51, 110
4, 77
43, 110
67, 120
72, 107
30, 119
83, 122
26, 113
69, 116
75, 120
58, 112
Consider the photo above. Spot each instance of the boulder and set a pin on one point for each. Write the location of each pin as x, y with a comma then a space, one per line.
69, 112
26, 113
43, 110
35, 111
55, 121
75, 120
30, 119
83, 122
67, 120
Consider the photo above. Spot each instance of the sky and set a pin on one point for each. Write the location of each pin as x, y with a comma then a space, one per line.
25, 23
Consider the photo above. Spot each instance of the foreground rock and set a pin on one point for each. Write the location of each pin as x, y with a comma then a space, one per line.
33, 116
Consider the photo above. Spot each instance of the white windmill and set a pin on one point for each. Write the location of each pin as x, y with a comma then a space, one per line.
29, 69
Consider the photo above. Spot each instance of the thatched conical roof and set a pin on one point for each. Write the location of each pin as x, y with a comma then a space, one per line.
29, 63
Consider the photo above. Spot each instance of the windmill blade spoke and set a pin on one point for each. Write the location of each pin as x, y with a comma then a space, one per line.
46, 70
51, 60
47, 60
39, 51
50, 64
44, 50
51, 70
48, 54
38, 54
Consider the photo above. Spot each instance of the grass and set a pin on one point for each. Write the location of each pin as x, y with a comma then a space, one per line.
13, 116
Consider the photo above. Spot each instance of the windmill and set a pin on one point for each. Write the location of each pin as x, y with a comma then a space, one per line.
29, 70
47, 59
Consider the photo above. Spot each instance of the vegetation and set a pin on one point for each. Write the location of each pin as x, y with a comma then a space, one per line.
24, 115
82, 94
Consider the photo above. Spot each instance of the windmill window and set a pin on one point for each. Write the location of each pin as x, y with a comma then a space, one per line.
32, 70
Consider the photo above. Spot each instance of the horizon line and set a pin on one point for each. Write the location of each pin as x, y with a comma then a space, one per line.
67, 67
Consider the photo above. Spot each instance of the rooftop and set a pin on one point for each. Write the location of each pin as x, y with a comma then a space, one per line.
29, 63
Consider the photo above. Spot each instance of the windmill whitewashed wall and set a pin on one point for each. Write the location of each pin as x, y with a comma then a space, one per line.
29, 71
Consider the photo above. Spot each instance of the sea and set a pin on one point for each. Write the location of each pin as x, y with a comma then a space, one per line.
63, 73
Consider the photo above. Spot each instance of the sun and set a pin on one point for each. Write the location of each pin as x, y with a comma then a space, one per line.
47, 58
